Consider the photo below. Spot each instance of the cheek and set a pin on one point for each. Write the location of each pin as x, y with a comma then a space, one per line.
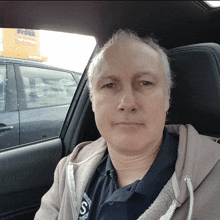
155, 99
102, 110
155, 107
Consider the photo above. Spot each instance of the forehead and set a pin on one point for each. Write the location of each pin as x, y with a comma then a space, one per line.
129, 47
129, 57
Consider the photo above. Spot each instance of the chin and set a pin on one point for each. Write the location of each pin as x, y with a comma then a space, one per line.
129, 144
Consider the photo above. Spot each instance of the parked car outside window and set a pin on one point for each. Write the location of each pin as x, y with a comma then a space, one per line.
43, 96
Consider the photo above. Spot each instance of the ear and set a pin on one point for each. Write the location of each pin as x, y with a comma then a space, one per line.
167, 102
91, 99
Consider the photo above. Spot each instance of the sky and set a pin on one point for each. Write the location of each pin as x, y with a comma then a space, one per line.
64, 50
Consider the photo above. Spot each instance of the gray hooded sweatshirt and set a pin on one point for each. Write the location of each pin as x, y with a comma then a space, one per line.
192, 193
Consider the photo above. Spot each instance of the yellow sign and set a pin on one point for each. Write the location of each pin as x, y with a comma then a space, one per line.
21, 43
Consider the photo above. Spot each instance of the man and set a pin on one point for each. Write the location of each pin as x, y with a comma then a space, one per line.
138, 169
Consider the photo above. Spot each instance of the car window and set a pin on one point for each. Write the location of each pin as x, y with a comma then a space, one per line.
44, 87
45, 70
2, 87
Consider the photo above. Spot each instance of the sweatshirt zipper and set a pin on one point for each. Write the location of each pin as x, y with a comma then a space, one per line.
170, 211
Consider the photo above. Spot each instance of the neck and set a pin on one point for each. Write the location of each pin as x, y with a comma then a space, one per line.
130, 167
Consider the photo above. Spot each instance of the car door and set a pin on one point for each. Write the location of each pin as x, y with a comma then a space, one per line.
9, 118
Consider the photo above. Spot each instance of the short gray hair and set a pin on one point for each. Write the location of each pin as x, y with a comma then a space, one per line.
123, 35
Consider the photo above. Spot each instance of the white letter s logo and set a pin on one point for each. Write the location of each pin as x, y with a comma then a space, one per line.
83, 208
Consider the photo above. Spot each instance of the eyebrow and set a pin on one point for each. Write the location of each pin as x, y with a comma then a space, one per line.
112, 77
136, 76
145, 73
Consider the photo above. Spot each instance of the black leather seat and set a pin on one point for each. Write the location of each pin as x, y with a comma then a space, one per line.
195, 99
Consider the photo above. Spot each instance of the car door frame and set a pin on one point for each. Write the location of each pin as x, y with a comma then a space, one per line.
73, 130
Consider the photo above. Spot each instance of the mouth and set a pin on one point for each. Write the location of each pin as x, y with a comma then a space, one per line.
129, 127
129, 123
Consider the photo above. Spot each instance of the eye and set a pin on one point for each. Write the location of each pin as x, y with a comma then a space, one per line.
146, 83
109, 85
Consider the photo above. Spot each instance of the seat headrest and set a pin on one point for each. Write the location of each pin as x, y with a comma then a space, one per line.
195, 98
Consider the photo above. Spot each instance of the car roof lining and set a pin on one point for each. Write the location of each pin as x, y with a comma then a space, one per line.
101, 18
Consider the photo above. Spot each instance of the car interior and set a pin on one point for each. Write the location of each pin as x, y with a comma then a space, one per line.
189, 30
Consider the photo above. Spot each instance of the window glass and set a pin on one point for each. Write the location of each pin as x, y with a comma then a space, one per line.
213, 4
51, 65
44, 87
2, 87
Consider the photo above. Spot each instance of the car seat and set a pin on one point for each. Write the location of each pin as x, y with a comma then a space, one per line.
195, 98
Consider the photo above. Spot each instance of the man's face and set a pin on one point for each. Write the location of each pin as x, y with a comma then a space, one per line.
128, 97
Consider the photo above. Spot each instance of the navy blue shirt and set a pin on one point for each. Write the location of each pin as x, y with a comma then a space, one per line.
104, 200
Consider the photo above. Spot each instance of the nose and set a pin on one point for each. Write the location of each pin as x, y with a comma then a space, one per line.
128, 100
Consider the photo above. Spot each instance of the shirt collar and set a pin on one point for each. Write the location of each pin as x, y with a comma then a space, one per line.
109, 165
105, 166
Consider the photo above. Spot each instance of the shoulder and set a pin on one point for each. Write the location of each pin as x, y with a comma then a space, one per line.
83, 151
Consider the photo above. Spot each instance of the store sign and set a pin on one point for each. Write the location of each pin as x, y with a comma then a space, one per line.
29, 32
26, 36
21, 43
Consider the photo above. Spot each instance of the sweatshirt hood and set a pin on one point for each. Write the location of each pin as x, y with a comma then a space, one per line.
199, 155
